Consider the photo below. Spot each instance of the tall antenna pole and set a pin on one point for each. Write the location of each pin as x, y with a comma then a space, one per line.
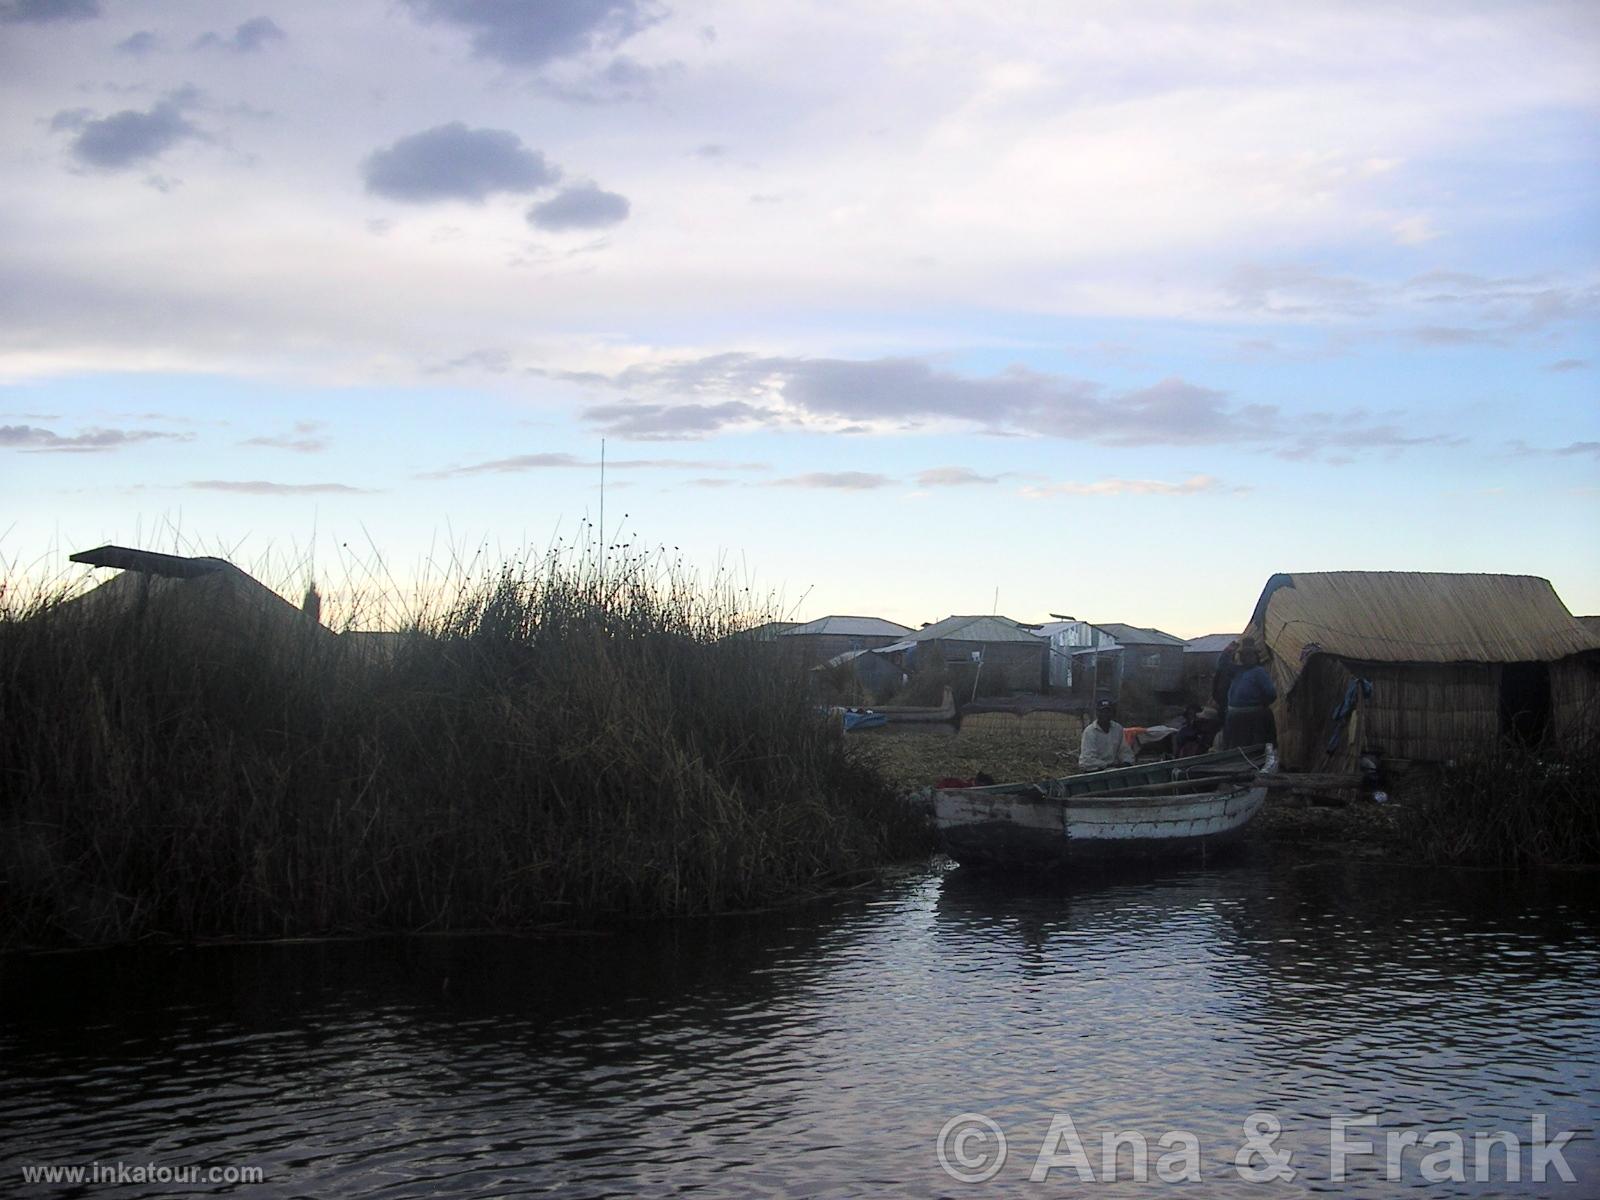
602, 511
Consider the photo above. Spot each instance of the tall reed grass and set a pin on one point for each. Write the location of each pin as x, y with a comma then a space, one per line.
1512, 806
575, 736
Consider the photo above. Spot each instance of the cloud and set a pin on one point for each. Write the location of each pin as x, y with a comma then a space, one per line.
622, 79
903, 393
300, 439
672, 422
1447, 335
584, 206
562, 461
37, 440
130, 137
138, 44
1294, 290
1310, 446
1193, 486
1521, 449
520, 34
1463, 309
1569, 364
896, 395
44, 12
850, 481
255, 34
452, 162
262, 487
491, 359
952, 477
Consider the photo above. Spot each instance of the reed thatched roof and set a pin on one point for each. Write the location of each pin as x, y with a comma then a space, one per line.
1416, 617
216, 594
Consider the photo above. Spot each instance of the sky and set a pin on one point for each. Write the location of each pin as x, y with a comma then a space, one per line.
903, 309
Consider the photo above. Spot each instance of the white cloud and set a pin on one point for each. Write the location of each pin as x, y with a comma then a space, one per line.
1192, 486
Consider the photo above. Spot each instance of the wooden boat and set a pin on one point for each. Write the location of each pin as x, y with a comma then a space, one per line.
861, 718
1172, 807
945, 710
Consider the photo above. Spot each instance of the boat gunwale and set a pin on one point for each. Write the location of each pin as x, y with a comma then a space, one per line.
1106, 799
1159, 772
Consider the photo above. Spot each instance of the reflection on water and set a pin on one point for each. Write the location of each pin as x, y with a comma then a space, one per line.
819, 1052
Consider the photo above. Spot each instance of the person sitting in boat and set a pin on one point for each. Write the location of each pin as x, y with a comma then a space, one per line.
1250, 697
1103, 745
1195, 733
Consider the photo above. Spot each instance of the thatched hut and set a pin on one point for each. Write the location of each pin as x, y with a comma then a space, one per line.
1455, 662
208, 597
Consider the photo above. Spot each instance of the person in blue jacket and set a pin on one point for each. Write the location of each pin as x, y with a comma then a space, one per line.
1250, 697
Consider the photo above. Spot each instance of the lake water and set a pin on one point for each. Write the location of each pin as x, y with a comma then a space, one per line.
821, 1051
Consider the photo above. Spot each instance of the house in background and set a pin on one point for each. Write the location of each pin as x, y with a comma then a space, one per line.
209, 597
828, 637
1093, 660
1200, 663
873, 672
1004, 655
765, 632
1455, 663
1069, 639
1152, 661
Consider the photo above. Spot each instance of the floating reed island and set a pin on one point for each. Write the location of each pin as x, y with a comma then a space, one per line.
571, 737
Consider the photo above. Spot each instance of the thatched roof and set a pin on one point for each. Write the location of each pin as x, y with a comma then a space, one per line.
1416, 617
150, 562
220, 594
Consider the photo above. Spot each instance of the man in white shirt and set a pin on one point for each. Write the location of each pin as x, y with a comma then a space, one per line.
1103, 745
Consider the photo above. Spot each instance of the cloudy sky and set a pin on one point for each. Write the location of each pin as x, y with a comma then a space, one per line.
893, 307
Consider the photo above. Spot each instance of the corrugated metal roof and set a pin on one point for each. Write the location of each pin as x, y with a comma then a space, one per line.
1211, 643
838, 660
1138, 635
1416, 616
850, 627
974, 629
764, 632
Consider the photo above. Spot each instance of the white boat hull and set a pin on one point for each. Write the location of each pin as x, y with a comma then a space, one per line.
1013, 826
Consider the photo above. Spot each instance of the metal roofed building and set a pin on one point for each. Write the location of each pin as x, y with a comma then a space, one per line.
1200, 663
1010, 655
828, 637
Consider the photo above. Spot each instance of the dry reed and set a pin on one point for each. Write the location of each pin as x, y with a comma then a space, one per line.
570, 738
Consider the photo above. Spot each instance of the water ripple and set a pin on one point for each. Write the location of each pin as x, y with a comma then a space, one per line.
819, 1052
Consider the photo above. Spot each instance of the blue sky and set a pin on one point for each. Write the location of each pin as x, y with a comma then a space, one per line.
1111, 310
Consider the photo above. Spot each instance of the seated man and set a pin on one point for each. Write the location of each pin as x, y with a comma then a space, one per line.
1194, 734
1103, 744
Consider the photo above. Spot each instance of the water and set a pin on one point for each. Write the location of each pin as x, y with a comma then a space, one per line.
820, 1051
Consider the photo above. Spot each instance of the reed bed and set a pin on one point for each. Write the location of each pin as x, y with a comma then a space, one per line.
574, 736
1512, 806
